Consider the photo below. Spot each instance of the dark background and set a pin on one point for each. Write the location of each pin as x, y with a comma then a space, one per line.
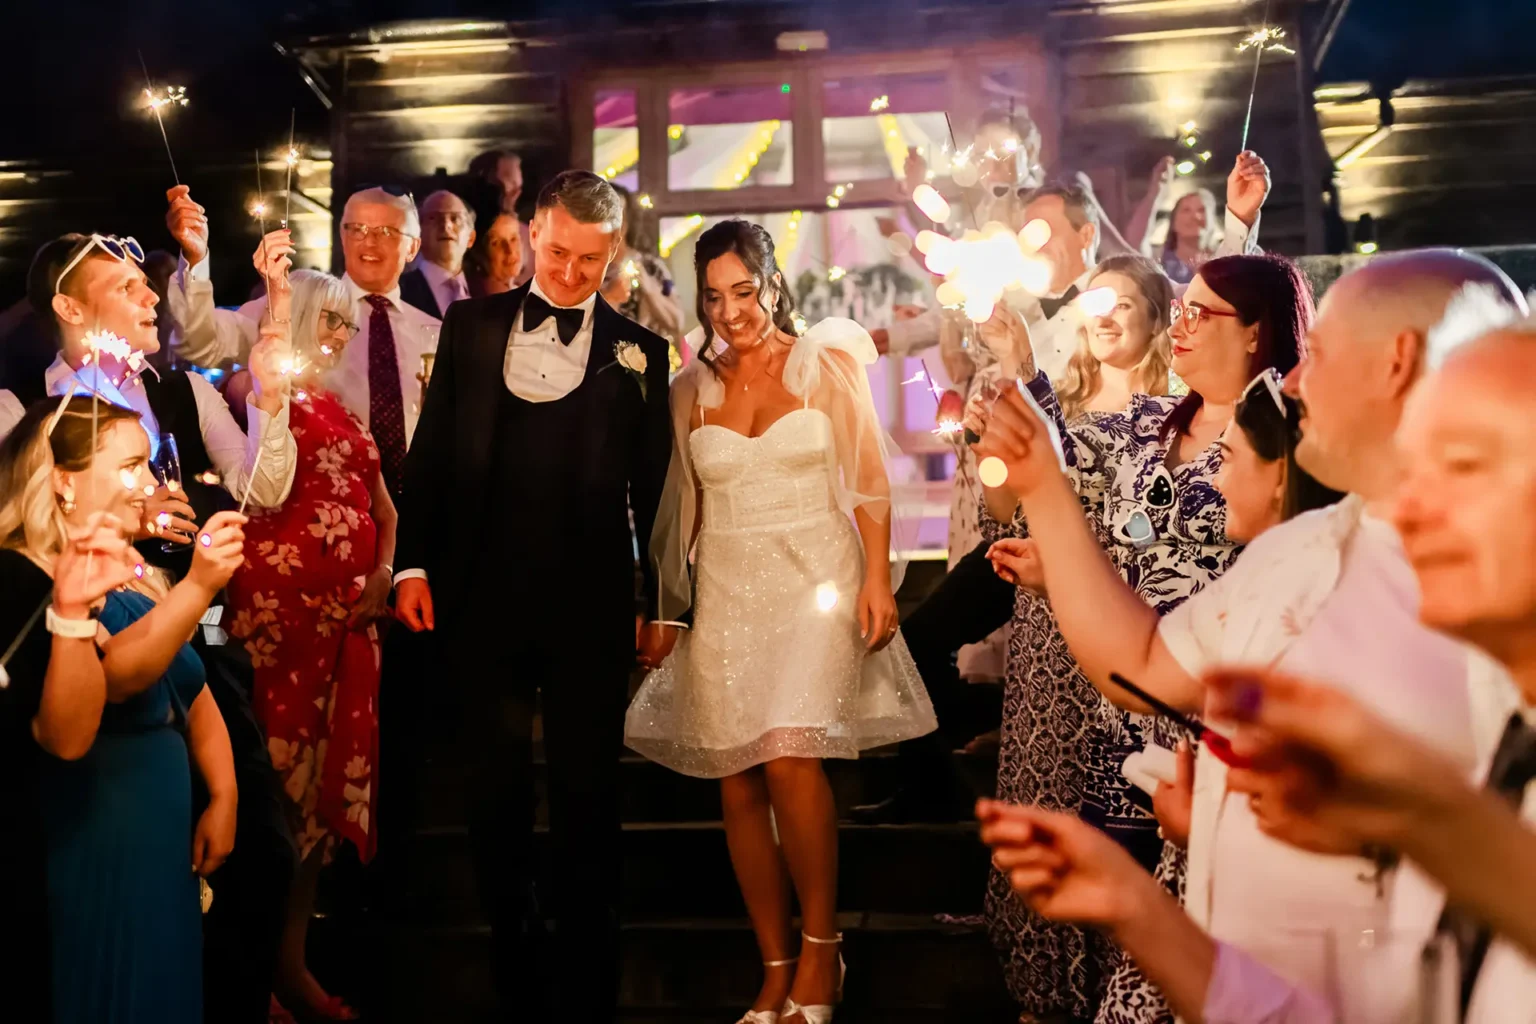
72, 76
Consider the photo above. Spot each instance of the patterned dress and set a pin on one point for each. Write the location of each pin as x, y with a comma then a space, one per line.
1062, 743
317, 682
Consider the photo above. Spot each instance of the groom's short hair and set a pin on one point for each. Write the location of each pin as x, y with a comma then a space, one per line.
585, 196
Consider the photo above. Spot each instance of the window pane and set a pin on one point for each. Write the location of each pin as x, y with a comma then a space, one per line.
616, 137
871, 121
727, 137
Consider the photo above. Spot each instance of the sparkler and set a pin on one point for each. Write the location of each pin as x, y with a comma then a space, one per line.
291, 158
950, 430
173, 96
259, 211
879, 103
1266, 38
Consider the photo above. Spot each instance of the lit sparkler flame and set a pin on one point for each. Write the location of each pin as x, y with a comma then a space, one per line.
879, 103
1266, 38
170, 96
291, 158
258, 209
646, 202
106, 343
1098, 301
949, 430
836, 273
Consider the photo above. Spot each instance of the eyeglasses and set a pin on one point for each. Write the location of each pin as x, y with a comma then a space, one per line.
334, 321
1270, 378
120, 249
1190, 313
361, 231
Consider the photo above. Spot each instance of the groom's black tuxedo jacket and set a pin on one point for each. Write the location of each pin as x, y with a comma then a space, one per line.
523, 506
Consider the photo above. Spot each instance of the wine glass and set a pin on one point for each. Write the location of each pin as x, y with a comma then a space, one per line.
167, 469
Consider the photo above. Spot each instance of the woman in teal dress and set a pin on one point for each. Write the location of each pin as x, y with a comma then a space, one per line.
123, 855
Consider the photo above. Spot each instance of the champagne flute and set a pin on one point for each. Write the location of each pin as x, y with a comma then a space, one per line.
167, 467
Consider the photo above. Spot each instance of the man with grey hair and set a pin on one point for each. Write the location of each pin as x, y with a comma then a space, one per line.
546, 424
376, 376
448, 232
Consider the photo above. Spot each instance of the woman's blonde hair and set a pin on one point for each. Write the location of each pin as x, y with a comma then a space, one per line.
1150, 377
315, 291
49, 437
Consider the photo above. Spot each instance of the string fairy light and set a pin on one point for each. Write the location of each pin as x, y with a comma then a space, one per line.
687, 226
171, 96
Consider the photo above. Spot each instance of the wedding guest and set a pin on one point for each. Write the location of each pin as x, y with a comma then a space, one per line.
436, 281
807, 664
376, 379
1331, 774
93, 283
651, 303
495, 262
503, 169
971, 604
1140, 482
1261, 486
1193, 228
123, 908
305, 606
51, 704
1328, 593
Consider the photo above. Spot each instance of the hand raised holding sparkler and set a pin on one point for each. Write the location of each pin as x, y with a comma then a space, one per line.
187, 221
96, 560
273, 259
1006, 334
1248, 186
1015, 433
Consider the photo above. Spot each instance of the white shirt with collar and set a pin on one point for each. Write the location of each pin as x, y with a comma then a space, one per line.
209, 336
537, 367
446, 288
232, 452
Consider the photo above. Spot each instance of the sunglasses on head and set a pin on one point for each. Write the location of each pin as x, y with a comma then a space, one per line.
1191, 313
1269, 378
120, 249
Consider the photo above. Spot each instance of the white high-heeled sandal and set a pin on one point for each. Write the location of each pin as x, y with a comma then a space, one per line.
821, 1013
767, 1016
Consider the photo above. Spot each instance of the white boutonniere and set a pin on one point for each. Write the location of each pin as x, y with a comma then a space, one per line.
631, 359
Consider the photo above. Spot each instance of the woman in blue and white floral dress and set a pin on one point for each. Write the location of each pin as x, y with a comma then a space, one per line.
1144, 478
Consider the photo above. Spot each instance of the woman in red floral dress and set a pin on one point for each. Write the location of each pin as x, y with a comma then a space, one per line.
315, 578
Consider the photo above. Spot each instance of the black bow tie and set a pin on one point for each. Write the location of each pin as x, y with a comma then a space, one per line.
567, 321
1053, 306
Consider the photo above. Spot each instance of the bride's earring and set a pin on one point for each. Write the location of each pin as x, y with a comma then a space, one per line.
67, 500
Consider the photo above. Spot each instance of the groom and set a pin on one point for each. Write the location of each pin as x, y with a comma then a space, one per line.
535, 442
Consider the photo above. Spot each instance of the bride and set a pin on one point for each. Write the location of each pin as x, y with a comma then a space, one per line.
793, 654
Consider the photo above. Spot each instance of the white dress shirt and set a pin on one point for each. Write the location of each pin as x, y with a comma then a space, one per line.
446, 288
209, 336
1328, 595
230, 450
11, 412
537, 367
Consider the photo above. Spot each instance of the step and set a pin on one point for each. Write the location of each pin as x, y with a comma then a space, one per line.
900, 968
684, 870
651, 792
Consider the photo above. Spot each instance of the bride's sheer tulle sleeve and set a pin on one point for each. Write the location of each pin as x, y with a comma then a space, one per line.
677, 516
828, 368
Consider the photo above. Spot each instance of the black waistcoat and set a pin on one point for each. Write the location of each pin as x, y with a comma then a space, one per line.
175, 407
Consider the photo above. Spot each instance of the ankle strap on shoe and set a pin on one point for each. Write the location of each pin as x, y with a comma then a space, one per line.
781, 963
822, 942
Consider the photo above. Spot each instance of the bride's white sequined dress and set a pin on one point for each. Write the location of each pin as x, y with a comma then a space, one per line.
774, 665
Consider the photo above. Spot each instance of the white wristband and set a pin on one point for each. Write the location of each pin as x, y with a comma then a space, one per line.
71, 629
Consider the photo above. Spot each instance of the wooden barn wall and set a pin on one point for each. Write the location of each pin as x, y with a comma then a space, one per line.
1133, 71
1457, 169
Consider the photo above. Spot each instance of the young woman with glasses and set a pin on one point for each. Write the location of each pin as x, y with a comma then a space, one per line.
305, 601
1135, 490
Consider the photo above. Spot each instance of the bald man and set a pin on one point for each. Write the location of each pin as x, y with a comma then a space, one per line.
1332, 775
1328, 594
436, 281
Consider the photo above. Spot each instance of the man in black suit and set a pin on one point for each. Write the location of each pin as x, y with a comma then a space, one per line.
447, 232
544, 425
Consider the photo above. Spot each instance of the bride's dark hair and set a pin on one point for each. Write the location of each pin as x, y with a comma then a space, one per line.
753, 245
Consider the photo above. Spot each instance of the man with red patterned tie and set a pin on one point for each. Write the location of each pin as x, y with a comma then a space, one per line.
376, 377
